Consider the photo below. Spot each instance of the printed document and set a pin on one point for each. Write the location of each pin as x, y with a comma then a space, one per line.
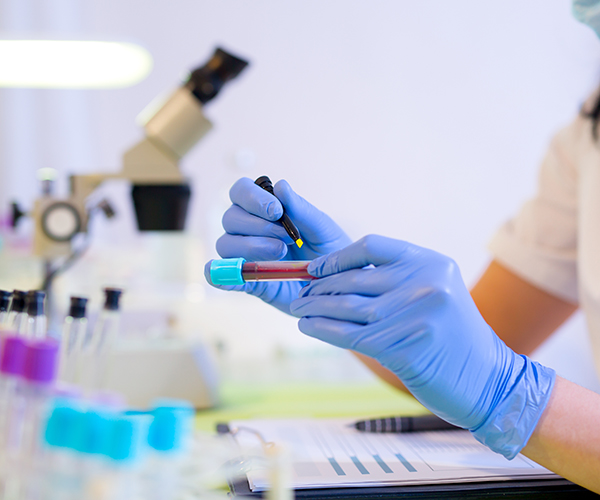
332, 454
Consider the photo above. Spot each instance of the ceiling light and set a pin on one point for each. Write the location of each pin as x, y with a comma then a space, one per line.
72, 64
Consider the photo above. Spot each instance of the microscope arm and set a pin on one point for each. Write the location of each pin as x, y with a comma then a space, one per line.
170, 133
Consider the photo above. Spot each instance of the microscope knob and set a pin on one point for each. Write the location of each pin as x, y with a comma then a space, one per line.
61, 221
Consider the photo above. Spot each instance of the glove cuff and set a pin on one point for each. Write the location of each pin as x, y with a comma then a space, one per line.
513, 420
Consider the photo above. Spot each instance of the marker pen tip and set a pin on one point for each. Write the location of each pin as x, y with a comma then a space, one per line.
299, 242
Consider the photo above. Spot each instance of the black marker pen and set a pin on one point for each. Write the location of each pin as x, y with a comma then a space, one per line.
265, 183
406, 424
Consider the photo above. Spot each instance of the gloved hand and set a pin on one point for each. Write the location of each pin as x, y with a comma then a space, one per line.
251, 233
411, 311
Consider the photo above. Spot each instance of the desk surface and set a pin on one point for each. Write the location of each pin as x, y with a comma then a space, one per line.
373, 399
297, 400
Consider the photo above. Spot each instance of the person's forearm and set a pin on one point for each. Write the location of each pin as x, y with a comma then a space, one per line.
520, 313
567, 437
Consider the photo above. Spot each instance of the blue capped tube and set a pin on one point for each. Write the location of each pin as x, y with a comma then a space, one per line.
239, 271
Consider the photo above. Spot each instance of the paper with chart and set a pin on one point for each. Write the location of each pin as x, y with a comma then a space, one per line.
330, 453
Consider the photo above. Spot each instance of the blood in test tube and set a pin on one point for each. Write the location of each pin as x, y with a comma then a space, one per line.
237, 271
276, 271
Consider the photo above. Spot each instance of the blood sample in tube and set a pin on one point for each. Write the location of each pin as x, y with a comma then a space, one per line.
238, 271
291, 270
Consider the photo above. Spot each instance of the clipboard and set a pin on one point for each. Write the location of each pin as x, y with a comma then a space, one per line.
542, 489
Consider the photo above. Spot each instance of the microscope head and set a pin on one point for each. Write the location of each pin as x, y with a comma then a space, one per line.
160, 194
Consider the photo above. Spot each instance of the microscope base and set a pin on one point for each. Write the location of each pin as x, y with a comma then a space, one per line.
145, 370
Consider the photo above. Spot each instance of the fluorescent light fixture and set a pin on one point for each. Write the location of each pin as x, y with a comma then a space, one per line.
72, 64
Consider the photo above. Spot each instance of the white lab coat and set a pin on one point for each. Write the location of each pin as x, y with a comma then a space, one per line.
554, 241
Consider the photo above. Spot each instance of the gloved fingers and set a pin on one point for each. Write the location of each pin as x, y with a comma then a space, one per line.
332, 331
238, 221
370, 281
388, 339
314, 225
255, 199
355, 308
278, 293
251, 248
369, 250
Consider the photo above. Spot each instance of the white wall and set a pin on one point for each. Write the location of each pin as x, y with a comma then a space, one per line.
422, 120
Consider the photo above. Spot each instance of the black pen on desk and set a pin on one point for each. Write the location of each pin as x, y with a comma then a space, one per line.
406, 424
265, 183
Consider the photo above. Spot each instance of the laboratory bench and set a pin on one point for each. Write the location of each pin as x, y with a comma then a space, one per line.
361, 400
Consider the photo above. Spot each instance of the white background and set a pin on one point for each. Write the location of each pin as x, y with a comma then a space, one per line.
423, 121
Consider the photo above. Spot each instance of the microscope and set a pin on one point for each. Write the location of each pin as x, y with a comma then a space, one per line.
160, 196
159, 191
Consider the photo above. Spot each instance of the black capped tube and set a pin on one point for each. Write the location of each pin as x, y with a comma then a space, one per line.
4, 300
36, 316
77, 307
112, 297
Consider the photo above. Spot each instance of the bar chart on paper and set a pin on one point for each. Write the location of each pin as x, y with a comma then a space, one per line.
332, 454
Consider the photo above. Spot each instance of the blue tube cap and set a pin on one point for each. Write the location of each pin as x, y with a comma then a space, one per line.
93, 433
127, 437
61, 425
227, 271
172, 425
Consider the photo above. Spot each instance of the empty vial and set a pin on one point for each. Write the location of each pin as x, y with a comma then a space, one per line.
17, 315
36, 315
73, 336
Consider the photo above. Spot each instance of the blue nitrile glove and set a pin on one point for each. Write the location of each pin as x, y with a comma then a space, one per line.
411, 311
251, 234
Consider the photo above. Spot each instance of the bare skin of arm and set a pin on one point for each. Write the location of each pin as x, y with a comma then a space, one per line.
522, 315
566, 439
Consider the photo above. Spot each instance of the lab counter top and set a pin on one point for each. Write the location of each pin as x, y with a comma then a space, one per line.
362, 400
307, 399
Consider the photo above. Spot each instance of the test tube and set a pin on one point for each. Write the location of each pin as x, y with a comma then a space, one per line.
39, 373
168, 436
103, 337
17, 315
36, 316
92, 435
26, 415
4, 306
73, 336
62, 475
11, 369
238, 271
127, 449
75, 439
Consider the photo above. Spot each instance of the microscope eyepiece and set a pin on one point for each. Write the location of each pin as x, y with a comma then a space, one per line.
206, 81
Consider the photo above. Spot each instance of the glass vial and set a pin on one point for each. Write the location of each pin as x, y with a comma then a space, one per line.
103, 337
73, 336
17, 315
36, 315
4, 307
